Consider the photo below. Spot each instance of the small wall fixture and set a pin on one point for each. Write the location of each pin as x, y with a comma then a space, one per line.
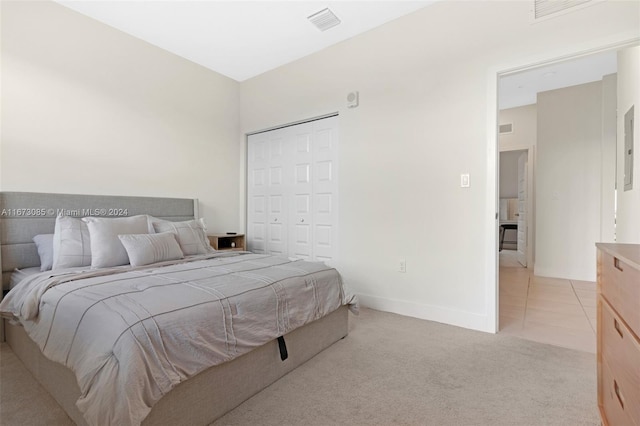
352, 99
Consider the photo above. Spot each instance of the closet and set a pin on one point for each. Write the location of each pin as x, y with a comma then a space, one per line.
292, 191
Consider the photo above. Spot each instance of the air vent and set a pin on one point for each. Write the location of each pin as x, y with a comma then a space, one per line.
324, 19
506, 128
547, 8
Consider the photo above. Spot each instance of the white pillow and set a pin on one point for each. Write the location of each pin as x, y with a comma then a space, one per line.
144, 249
71, 243
106, 248
44, 243
191, 235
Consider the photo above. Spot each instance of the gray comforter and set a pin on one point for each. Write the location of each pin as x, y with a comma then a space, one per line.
132, 334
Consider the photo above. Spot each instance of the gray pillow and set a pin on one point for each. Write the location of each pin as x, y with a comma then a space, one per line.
44, 243
106, 248
145, 249
191, 235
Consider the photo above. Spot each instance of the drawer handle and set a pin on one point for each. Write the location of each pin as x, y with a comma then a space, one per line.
618, 394
617, 327
616, 264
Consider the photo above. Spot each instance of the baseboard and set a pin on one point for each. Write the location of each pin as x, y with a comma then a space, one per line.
427, 312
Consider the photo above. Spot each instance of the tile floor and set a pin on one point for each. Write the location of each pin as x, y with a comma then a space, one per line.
548, 310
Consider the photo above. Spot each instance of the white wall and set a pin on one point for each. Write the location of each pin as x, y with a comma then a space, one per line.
568, 180
509, 174
425, 83
524, 133
628, 217
608, 159
89, 109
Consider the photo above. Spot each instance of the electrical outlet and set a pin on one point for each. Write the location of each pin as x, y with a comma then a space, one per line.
402, 266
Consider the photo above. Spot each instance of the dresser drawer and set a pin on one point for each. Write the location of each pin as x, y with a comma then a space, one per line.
613, 413
621, 357
620, 285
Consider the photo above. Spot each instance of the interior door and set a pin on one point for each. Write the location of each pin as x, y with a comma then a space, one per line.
266, 193
523, 165
301, 240
277, 208
257, 193
325, 186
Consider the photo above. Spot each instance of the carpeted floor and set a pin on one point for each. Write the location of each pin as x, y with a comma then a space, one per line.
390, 370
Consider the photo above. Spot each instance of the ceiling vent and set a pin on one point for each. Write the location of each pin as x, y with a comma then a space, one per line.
324, 19
543, 9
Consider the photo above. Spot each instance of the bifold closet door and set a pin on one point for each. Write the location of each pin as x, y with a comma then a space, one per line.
267, 198
292, 191
301, 200
325, 189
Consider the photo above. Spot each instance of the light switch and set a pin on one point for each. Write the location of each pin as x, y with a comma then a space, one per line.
464, 180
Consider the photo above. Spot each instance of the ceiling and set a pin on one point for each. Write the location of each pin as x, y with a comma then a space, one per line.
241, 39
522, 88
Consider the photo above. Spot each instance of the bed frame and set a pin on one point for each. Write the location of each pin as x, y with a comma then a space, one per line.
199, 400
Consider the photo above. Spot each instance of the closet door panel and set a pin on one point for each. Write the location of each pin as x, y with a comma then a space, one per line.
300, 242
267, 193
277, 232
325, 188
277, 208
257, 193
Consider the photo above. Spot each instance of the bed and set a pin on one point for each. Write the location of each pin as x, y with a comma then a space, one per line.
190, 397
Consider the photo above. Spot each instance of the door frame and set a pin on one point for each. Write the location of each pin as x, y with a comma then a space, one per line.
491, 213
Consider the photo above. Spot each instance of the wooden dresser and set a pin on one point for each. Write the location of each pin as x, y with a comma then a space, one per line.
619, 334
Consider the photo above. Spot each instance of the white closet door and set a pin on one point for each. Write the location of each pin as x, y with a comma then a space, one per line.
257, 192
300, 241
325, 189
277, 199
267, 193
292, 191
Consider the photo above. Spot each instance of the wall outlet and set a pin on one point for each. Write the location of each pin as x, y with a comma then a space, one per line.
402, 266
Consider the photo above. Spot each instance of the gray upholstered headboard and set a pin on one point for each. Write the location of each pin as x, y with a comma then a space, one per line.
24, 215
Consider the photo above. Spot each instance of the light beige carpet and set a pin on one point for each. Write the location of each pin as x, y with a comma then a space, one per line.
390, 370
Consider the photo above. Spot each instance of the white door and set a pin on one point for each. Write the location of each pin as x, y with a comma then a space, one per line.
267, 198
301, 204
522, 208
258, 193
277, 199
325, 188
292, 191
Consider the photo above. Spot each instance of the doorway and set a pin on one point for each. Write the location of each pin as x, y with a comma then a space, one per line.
515, 206
533, 303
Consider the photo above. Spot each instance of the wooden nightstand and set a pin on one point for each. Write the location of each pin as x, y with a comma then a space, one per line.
227, 242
